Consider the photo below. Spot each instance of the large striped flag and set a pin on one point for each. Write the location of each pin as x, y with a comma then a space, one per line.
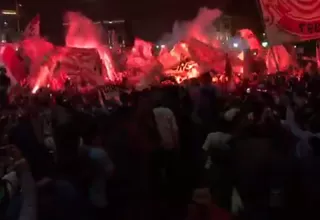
33, 28
288, 21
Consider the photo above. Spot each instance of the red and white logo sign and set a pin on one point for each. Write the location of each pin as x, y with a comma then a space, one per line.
300, 18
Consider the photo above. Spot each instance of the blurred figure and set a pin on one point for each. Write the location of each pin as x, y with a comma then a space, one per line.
18, 204
4, 85
203, 208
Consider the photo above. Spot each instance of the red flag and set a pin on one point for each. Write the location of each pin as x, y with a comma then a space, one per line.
15, 67
33, 28
209, 58
278, 59
291, 20
318, 53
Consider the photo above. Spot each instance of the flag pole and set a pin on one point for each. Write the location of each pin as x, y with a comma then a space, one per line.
18, 14
265, 29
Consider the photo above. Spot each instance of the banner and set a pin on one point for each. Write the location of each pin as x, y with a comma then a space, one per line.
291, 20
183, 68
81, 63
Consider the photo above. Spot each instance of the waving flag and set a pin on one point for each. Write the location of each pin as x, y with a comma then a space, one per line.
291, 20
33, 28
318, 53
15, 67
251, 38
278, 59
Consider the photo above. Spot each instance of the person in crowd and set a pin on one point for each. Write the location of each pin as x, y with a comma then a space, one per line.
102, 165
167, 128
173, 152
4, 86
20, 205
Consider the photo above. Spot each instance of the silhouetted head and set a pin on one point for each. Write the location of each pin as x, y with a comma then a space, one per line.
3, 70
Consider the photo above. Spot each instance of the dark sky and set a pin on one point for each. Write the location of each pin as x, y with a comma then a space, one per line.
149, 18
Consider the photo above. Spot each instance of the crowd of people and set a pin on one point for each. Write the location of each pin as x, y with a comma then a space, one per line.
191, 152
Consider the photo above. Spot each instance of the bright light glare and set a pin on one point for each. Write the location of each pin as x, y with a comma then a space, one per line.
163, 46
235, 45
264, 44
8, 12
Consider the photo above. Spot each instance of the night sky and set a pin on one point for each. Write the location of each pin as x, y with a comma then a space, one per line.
149, 18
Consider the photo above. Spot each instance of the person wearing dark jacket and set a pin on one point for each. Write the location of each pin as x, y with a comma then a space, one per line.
4, 85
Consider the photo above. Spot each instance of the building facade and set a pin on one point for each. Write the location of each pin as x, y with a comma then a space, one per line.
9, 26
8, 19
116, 33
223, 27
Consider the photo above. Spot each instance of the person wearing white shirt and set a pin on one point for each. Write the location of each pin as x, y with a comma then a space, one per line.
22, 177
168, 152
167, 127
303, 148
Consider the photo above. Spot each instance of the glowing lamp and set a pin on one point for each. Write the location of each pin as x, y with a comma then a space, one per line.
8, 12
235, 45
264, 44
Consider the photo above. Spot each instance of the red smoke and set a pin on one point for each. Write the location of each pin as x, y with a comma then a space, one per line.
191, 49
